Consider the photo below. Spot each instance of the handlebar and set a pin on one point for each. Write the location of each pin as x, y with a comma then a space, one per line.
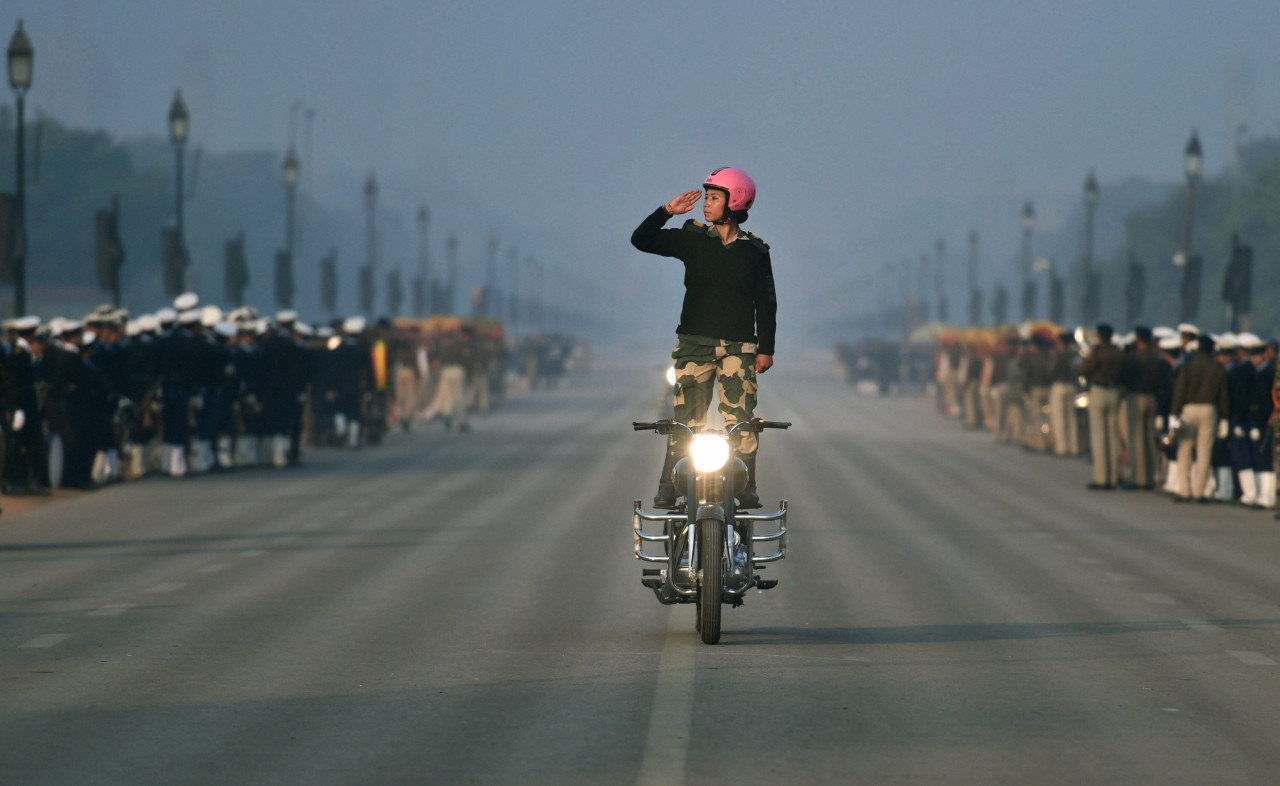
667, 426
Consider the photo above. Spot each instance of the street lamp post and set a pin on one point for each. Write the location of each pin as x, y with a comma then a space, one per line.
489, 305
1028, 286
422, 286
292, 169
451, 281
1190, 265
975, 294
1089, 306
939, 279
179, 128
21, 59
369, 280
284, 263
513, 308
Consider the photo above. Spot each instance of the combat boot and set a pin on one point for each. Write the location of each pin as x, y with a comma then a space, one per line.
666, 496
748, 498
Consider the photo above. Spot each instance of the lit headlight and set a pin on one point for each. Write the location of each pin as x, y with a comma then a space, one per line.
671, 375
1082, 401
709, 452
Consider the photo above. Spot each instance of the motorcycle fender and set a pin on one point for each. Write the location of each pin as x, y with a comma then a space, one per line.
710, 512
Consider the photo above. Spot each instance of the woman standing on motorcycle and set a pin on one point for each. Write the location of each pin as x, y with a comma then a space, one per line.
729, 316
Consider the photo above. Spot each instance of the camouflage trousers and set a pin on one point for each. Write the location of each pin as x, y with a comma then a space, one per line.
731, 365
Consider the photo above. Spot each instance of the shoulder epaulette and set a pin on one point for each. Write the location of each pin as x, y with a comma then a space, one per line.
694, 225
757, 241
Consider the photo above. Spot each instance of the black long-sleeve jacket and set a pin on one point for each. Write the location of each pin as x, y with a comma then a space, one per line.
728, 289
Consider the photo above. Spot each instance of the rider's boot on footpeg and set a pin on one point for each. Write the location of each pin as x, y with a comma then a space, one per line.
666, 496
747, 496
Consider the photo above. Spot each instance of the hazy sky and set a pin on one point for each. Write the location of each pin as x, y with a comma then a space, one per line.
583, 116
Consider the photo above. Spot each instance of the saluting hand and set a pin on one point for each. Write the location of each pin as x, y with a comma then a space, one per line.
684, 203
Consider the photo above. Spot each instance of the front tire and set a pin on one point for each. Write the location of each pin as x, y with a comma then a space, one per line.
710, 578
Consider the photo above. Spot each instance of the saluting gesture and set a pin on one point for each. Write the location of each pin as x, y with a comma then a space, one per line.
683, 203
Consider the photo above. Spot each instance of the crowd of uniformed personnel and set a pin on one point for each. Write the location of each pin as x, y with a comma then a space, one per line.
1169, 409
191, 389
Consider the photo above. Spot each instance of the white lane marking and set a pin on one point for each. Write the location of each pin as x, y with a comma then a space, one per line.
111, 611
666, 746
253, 553
216, 567
1120, 577
45, 641
168, 586
1204, 626
1159, 598
1251, 658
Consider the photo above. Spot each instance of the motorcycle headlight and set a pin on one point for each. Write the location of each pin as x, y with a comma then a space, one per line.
709, 452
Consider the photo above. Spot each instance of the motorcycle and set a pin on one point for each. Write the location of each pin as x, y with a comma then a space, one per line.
708, 544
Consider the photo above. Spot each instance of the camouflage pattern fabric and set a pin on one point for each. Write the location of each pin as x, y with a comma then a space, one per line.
699, 362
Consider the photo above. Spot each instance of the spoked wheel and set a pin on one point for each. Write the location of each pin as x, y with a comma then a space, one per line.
710, 556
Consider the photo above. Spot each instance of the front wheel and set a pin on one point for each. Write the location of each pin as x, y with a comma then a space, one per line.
710, 578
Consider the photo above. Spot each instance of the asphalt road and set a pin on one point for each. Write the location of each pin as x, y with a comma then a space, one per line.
465, 608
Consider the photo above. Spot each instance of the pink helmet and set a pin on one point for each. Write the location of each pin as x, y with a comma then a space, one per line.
738, 186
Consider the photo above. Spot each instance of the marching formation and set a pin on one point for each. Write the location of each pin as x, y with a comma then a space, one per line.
1177, 410
191, 389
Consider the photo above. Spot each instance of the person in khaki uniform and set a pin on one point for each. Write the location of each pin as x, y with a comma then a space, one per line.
1201, 408
1142, 379
1103, 369
1063, 425
1036, 371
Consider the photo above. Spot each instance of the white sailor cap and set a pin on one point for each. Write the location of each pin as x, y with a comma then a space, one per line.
61, 326
354, 325
1170, 343
27, 323
303, 329
287, 317
147, 323
225, 329
1248, 341
88, 338
166, 316
261, 326
186, 301
324, 331
1162, 331
1188, 329
210, 316
1224, 341
189, 317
